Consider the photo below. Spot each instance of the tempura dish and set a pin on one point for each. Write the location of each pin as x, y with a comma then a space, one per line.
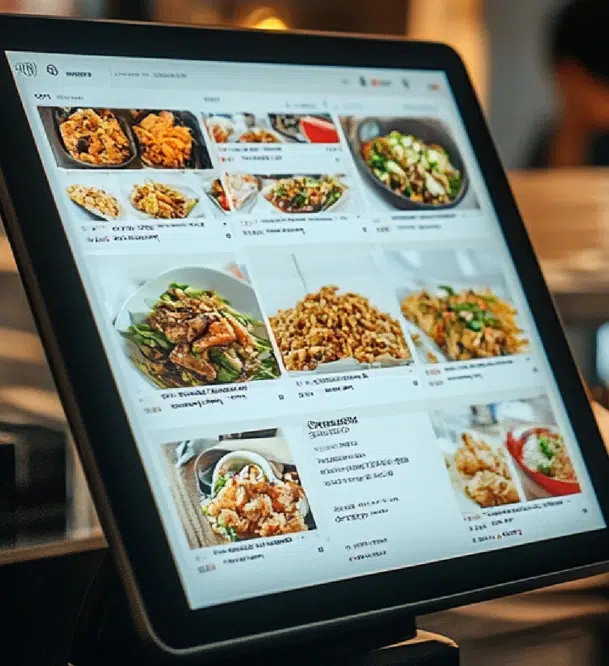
409, 167
328, 326
194, 336
165, 142
541, 452
96, 201
488, 481
305, 194
466, 324
95, 137
161, 201
248, 503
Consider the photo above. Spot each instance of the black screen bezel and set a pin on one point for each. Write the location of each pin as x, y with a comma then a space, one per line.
104, 435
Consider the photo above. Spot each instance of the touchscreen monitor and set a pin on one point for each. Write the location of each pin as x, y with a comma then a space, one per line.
318, 334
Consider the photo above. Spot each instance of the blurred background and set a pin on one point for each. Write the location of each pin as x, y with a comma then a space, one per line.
542, 76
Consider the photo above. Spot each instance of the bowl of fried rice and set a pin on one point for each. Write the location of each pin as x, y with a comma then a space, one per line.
541, 453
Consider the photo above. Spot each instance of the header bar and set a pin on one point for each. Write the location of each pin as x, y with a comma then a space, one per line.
58, 73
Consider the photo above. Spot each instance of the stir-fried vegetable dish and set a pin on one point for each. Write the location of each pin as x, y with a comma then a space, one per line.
413, 169
467, 324
194, 337
305, 194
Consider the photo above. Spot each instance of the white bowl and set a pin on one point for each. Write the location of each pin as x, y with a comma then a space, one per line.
240, 459
240, 295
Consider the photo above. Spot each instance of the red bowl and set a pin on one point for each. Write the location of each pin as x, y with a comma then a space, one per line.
515, 445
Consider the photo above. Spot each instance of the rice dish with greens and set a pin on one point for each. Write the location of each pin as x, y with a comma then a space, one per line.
544, 452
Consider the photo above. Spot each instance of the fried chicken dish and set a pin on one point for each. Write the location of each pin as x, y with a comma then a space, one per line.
95, 137
246, 505
163, 141
489, 479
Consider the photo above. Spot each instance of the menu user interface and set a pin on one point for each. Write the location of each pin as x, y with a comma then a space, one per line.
318, 334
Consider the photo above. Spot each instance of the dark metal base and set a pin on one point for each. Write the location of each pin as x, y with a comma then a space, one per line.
104, 636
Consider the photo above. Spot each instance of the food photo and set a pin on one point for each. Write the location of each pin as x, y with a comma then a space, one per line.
236, 487
292, 194
94, 197
248, 127
163, 196
185, 325
409, 163
504, 453
481, 472
102, 138
231, 192
541, 454
106, 196
330, 314
456, 304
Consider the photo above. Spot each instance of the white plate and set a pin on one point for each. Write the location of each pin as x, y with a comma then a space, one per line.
424, 343
98, 215
186, 191
350, 365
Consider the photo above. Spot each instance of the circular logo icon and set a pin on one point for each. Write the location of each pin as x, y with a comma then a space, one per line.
28, 69
52, 70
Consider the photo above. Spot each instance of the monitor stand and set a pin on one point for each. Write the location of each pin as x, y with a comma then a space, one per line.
104, 636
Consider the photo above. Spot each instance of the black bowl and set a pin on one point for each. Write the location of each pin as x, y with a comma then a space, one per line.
61, 114
427, 130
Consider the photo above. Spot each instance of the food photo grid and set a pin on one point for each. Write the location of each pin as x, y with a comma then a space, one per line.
236, 487
278, 128
129, 164
409, 163
504, 453
185, 321
456, 304
330, 310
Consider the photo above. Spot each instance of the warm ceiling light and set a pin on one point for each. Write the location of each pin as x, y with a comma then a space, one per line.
265, 18
271, 23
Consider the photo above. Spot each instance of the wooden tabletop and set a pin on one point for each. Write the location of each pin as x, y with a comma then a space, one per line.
567, 215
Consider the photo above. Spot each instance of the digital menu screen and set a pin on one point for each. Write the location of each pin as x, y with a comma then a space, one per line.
318, 334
